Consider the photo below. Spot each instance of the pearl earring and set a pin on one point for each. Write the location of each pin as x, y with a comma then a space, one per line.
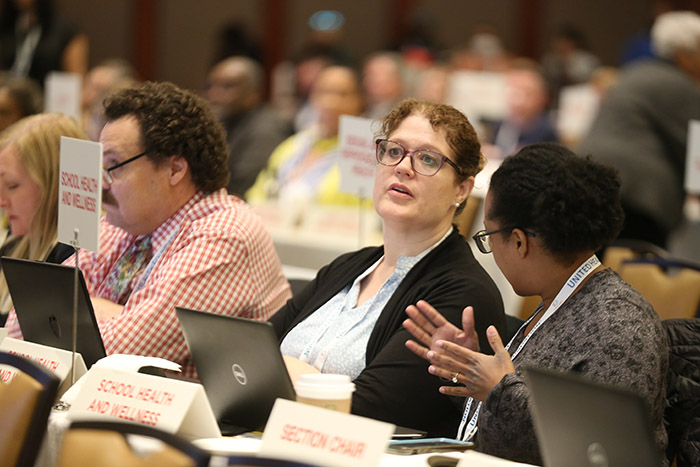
456, 205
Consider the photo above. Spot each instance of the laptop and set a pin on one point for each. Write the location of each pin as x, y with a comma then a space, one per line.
583, 424
240, 366
42, 294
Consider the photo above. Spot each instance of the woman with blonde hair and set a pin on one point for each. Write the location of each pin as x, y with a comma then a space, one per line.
29, 168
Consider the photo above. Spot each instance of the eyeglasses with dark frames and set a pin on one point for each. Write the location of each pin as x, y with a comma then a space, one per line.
423, 161
483, 238
108, 171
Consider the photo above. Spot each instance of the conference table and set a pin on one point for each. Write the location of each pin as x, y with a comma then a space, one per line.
250, 444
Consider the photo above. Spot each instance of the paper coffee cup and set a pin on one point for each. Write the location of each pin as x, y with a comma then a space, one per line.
329, 391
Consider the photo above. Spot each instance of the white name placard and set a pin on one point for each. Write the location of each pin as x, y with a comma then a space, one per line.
306, 433
479, 94
692, 160
51, 358
171, 405
357, 160
80, 192
63, 94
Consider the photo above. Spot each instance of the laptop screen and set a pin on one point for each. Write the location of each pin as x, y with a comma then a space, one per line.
42, 294
581, 423
240, 366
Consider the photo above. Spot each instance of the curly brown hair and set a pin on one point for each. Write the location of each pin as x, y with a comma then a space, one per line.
459, 133
175, 122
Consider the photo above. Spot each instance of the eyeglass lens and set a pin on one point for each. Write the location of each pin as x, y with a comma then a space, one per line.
424, 162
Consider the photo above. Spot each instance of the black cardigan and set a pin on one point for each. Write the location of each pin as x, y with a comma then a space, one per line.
395, 385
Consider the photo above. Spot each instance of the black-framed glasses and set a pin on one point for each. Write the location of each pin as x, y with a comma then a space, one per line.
483, 238
423, 161
108, 172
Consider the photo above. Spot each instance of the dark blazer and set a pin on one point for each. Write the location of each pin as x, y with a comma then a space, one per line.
395, 385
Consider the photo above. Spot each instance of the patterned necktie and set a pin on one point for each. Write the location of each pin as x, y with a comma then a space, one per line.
120, 281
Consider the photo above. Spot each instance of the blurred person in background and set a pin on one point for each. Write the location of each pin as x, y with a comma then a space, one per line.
567, 62
382, 82
235, 91
29, 167
642, 128
103, 78
485, 51
303, 169
432, 84
19, 98
35, 40
527, 117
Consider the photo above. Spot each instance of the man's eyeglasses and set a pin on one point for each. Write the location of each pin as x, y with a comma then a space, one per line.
483, 238
423, 161
108, 172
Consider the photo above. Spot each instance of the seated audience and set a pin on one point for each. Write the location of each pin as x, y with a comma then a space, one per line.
348, 319
235, 88
303, 168
171, 235
546, 213
642, 128
29, 167
19, 98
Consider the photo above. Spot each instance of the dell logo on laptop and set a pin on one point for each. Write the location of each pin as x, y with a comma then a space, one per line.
597, 457
239, 374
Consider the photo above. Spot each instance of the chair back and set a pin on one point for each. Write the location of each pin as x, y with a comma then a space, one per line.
25, 404
672, 288
105, 444
672, 285
623, 250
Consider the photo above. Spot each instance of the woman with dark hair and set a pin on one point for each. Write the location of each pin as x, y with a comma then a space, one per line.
34, 41
546, 213
348, 319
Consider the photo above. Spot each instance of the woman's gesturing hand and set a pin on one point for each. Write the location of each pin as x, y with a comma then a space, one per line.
427, 325
454, 354
476, 373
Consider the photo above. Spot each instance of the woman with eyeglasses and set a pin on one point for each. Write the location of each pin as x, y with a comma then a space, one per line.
348, 319
547, 212
29, 166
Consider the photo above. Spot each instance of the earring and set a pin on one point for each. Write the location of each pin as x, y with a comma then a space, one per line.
456, 205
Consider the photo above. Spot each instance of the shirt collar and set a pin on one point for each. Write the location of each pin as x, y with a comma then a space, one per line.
167, 228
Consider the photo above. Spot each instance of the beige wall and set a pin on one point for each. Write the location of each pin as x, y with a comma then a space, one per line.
187, 29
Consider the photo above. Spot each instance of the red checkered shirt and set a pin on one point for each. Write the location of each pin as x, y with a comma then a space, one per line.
219, 259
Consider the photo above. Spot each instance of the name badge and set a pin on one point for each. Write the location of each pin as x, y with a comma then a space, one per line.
168, 404
306, 433
56, 360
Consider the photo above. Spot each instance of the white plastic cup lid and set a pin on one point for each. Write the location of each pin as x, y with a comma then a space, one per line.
324, 386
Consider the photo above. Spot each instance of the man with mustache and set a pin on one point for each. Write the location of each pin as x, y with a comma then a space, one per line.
171, 235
